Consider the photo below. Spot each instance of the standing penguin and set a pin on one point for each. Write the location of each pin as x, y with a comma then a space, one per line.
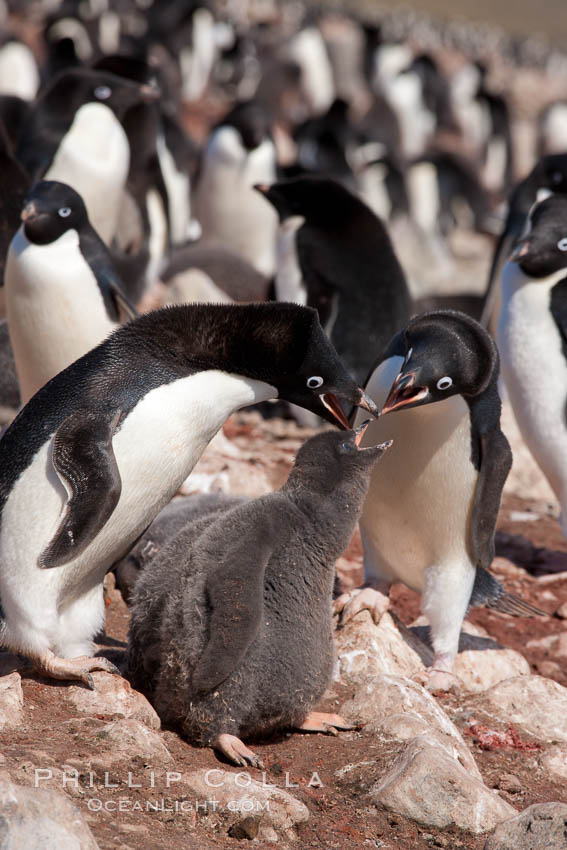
532, 338
101, 449
62, 293
239, 154
430, 515
73, 134
232, 628
336, 255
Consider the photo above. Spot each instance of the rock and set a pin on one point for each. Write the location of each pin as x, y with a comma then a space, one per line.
510, 783
562, 611
240, 793
35, 819
428, 786
113, 695
402, 709
124, 739
533, 704
553, 761
11, 701
366, 650
539, 827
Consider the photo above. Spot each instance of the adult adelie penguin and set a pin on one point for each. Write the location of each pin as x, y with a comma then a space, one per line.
336, 255
63, 295
239, 154
232, 628
73, 134
102, 448
532, 338
430, 515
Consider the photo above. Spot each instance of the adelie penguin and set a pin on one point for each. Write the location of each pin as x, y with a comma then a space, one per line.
532, 338
63, 295
336, 255
430, 514
100, 450
232, 630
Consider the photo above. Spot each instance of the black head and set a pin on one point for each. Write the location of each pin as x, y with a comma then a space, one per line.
72, 89
252, 120
543, 248
319, 200
50, 209
330, 459
553, 168
446, 354
280, 344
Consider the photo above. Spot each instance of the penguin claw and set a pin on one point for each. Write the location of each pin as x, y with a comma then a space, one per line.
88, 680
236, 751
75, 669
351, 603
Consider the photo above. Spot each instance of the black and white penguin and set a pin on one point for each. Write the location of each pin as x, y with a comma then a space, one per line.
73, 134
532, 338
232, 628
13, 190
63, 295
430, 515
239, 154
336, 255
547, 177
100, 450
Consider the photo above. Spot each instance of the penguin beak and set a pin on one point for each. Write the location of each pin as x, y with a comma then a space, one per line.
521, 250
333, 405
404, 393
150, 93
29, 211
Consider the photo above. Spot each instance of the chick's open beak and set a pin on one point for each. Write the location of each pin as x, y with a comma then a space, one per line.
404, 392
29, 211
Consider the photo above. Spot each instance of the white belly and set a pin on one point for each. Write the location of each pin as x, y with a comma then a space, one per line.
228, 209
155, 449
535, 370
54, 307
418, 510
94, 157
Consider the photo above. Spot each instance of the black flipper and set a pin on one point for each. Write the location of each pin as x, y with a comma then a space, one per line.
494, 462
235, 593
84, 461
488, 593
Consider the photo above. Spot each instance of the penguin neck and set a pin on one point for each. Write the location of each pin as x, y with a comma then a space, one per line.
515, 279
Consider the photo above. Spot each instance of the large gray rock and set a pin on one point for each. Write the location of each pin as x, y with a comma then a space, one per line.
428, 786
539, 827
553, 761
366, 650
239, 793
124, 739
11, 701
402, 709
34, 819
113, 695
532, 703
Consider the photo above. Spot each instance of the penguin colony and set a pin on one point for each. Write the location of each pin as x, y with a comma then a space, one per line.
276, 227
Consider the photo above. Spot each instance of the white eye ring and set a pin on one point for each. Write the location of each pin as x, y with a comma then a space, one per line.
444, 383
562, 244
64, 212
314, 382
102, 92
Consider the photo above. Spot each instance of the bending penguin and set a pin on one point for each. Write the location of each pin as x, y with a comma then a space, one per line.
63, 295
100, 450
430, 515
532, 338
232, 627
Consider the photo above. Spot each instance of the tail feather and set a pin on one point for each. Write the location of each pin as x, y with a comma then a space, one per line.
488, 593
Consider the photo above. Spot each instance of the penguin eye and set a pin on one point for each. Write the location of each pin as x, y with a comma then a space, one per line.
314, 382
347, 447
64, 212
102, 92
444, 383
562, 244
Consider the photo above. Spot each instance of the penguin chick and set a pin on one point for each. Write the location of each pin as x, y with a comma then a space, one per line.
336, 255
532, 337
231, 631
103, 447
63, 295
430, 516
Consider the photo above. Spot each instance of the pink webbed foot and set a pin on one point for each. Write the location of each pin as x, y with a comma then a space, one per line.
329, 724
236, 751
75, 669
349, 604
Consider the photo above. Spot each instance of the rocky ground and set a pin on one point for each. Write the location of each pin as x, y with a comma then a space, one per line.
87, 769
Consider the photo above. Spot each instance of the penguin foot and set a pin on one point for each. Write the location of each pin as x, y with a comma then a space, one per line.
438, 681
318, 721
349, 604
236, 751
76, 669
